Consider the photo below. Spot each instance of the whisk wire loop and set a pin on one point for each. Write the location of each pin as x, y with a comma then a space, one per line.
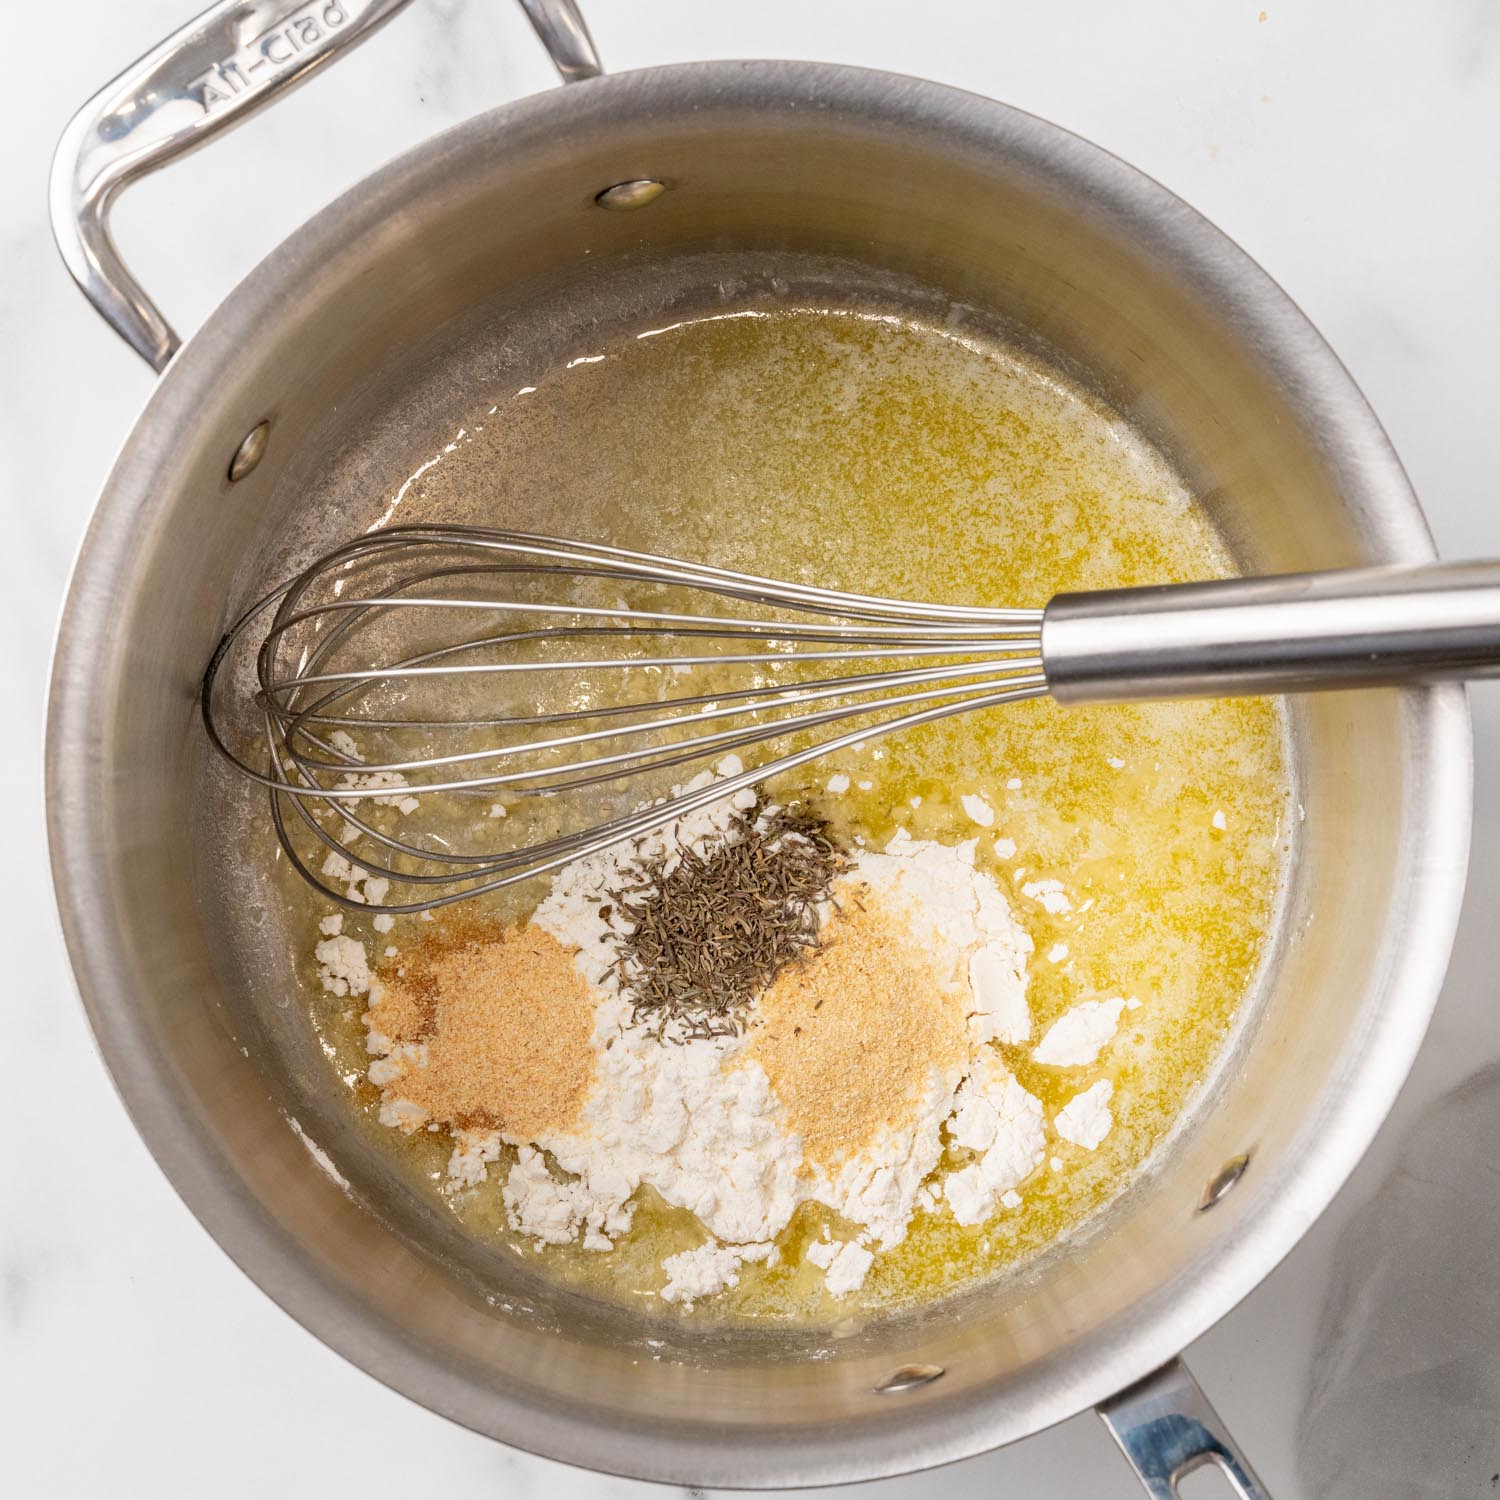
574, 704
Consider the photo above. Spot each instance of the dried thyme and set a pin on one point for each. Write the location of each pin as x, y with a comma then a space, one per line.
706, 936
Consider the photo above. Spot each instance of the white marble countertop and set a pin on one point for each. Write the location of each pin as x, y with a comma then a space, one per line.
1352, 146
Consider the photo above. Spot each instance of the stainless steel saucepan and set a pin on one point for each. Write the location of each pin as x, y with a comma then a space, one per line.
516, 236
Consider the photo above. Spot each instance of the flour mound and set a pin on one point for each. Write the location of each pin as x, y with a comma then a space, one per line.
697, 1119
700, 1123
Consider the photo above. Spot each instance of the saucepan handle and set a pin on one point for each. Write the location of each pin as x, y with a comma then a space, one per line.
1166, 1428
202, 80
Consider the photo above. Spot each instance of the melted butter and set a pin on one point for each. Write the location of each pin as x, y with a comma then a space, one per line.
874, 455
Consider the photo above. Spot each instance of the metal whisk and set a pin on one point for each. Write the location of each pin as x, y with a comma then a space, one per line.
425, 660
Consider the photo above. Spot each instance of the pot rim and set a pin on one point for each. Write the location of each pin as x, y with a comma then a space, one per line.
1435, 727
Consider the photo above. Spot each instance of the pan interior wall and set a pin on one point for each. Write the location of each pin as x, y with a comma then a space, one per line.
385, 456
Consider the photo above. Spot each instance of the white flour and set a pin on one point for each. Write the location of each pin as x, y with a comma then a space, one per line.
1078, 1036
978, 810
1085, 1119
994, 1115
699, 1122
343, 965
709, 1268
1048, 894
845, 1265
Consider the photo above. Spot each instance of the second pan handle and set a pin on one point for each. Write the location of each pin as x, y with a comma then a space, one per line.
202, 80
1166, 1428
1296, 632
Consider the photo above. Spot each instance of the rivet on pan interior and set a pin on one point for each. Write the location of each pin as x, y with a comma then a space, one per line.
908, 1378
634, 194
1222, 1180
250, 452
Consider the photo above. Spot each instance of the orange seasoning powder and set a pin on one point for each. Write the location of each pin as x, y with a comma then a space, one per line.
850, 1038
508, 1023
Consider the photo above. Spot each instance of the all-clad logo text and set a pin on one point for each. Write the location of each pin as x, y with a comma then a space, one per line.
270, 52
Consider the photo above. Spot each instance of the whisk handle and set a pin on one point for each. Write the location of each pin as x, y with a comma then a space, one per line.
1289, 633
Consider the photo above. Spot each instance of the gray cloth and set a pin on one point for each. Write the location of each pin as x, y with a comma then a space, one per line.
1405, 1398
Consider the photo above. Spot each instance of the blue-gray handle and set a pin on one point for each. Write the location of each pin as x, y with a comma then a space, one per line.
1166, 1428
